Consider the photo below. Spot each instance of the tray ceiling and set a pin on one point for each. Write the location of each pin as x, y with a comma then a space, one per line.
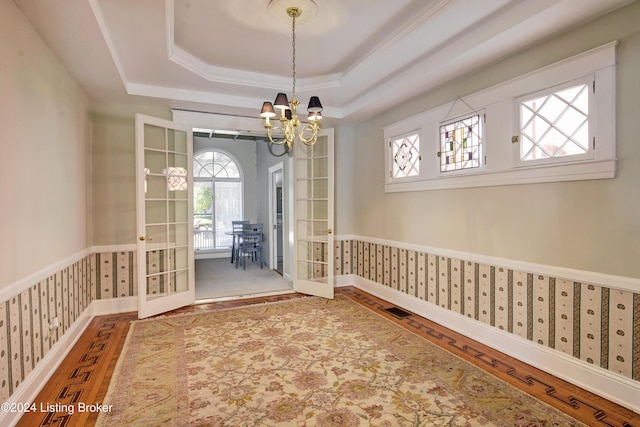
359, 56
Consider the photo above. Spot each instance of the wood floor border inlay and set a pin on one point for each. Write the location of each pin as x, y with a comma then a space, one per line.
85, 373
82, 376
580, 404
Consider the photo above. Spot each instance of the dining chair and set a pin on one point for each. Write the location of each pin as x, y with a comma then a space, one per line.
236, 229
250, 245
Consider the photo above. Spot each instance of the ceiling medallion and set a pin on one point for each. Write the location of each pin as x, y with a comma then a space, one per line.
278, 10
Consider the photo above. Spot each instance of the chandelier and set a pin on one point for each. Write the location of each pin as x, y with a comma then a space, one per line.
290, 127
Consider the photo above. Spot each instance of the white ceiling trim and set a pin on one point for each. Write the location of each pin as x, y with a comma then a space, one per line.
418, 54
380, 61
192, 95
97, 12
378, 54
480, 45
205, 97
237, 77
246, 78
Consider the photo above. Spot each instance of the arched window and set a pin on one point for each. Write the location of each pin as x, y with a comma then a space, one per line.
217, 198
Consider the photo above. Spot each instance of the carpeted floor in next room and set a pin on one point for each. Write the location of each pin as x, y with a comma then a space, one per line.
219, 278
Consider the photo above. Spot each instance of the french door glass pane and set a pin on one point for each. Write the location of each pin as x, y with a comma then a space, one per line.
155, 211
179, 234
179, 281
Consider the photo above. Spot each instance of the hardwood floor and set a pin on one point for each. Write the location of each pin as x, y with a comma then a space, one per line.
83, 377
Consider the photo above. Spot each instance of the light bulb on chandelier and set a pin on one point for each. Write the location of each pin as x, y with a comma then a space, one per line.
290, 127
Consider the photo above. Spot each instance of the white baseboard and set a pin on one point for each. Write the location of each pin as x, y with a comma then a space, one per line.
101, 307
343, 280
33, 383
622, 390
216, 254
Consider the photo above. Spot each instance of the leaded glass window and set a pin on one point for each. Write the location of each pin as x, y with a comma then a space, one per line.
461, 144
405, 153
555, 124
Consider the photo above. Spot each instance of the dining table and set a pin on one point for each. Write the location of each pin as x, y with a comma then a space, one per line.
236, 236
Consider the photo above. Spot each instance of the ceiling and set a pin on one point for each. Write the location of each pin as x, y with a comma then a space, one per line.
228, 56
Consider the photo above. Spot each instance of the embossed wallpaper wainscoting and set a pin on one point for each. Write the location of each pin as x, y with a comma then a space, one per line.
586, 332
90, 283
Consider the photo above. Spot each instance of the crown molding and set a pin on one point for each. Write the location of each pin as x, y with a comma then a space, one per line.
425, 49
378, 53
102, 24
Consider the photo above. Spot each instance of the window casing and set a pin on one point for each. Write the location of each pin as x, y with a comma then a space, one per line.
556, 124
505, 160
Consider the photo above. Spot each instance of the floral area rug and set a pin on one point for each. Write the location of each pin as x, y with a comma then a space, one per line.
304, 362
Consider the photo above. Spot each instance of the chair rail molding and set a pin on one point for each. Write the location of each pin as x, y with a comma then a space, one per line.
623, 283
16, 288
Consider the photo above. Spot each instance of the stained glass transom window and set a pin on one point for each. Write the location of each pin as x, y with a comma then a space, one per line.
406, 156
461, 144
555, 124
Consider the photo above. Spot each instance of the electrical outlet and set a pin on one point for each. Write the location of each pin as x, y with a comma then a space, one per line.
54, 323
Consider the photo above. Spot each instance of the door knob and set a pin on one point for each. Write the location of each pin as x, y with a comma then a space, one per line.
329, 231
142, 238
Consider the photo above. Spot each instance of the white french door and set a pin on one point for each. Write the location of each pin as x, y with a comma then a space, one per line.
164, 213
313, 216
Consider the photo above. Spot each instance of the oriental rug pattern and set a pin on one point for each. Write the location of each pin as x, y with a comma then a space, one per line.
304, 362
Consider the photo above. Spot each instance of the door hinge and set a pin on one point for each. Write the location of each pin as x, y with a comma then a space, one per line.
594, 86
594, 142
515, 139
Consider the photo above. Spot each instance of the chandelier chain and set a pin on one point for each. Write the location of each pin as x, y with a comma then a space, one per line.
294, 54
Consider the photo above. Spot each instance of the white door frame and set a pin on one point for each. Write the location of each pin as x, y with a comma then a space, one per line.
273, 232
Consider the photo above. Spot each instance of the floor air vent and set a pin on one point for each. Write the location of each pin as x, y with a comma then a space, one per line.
398, 312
